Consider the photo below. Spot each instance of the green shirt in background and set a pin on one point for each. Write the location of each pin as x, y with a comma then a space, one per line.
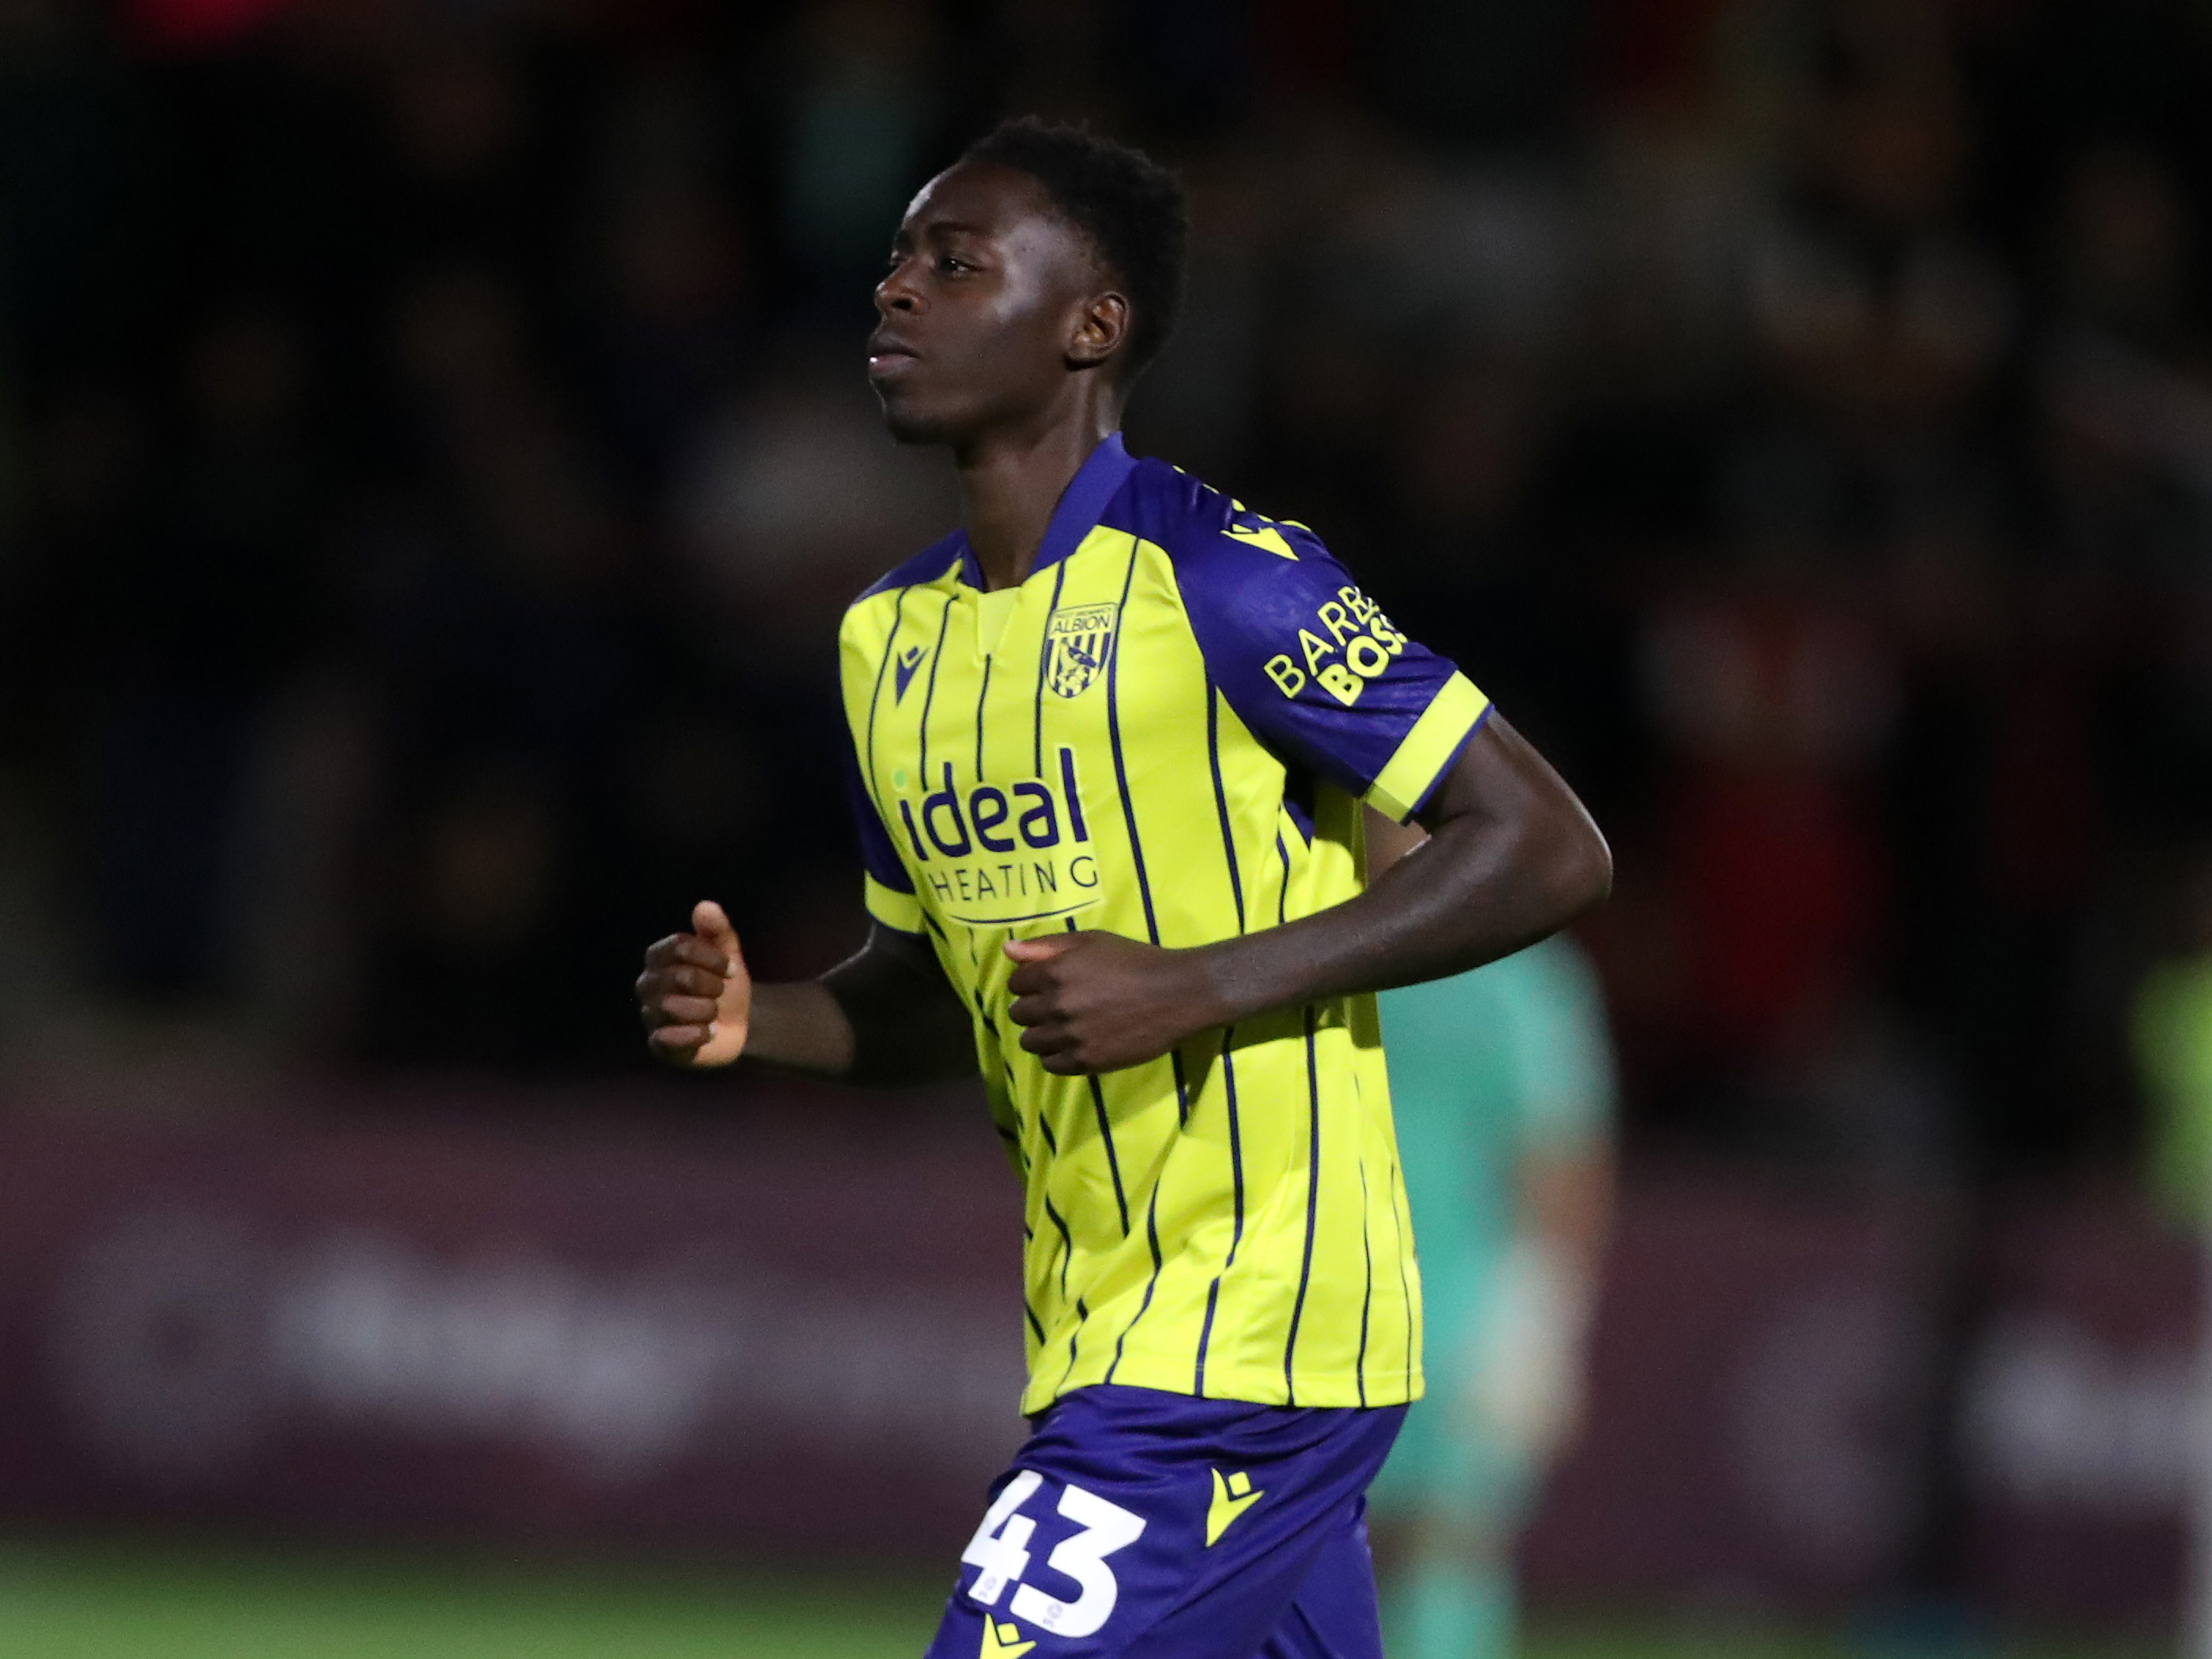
1488, 1067
2173, 1047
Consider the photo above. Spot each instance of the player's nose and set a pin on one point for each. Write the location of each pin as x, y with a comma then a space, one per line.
894, 294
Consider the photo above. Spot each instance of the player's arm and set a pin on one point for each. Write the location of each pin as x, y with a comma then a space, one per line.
1565, 1218
1511, 856
1566, 1201
1560, 1056
884, 1016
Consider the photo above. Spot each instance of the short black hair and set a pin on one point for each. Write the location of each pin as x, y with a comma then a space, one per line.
1130, 206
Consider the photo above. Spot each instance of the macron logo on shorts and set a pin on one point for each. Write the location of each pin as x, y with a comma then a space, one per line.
1000, 1640
1231, 1498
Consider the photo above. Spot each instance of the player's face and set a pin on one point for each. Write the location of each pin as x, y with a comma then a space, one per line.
988, 307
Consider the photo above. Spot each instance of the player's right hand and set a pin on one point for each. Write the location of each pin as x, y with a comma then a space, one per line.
695, 996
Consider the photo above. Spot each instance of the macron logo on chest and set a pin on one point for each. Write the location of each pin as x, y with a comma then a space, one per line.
909, 661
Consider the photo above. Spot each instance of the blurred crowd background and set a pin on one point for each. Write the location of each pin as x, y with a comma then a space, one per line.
434, 454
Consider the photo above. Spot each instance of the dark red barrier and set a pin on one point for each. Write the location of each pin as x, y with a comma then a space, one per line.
802, 1337
1765, 1366
737, 1338
1755, 1402
2086, 1422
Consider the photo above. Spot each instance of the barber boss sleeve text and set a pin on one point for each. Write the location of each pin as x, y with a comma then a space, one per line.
1348, 644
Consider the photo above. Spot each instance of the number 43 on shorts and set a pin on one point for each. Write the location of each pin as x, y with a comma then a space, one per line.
1001, 1549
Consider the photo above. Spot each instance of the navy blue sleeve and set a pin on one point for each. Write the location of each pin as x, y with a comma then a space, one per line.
1316, 669
889, 889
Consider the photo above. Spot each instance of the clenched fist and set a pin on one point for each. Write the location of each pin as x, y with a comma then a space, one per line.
695, 996
1097, 1002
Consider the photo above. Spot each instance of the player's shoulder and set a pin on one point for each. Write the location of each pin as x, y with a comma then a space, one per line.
931, 564
1195, 524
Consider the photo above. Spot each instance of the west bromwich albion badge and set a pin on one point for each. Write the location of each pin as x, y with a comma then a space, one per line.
1078, 642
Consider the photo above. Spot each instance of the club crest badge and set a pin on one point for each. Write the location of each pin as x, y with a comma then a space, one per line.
1078, 642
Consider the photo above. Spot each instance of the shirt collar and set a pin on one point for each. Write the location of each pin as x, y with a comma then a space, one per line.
1095, 484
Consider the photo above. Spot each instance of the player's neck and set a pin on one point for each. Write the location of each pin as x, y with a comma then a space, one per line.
1011, 481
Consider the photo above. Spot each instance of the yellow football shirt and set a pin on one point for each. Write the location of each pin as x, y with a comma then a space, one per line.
1166, 732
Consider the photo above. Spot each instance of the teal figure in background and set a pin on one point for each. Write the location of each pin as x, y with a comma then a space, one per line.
1502, 1083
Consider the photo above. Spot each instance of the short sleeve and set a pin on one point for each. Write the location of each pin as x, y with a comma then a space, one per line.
889, 889
1317, 672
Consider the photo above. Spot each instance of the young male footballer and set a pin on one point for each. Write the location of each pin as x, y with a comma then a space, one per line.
1113, 739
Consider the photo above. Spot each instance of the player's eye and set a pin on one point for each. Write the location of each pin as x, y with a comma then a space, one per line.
949, 264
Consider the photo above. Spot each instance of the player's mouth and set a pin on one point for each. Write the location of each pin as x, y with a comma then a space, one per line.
888, 358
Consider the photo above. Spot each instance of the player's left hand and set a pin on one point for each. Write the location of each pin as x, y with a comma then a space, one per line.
1097, 1002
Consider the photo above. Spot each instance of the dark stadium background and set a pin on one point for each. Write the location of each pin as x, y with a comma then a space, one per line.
432, 456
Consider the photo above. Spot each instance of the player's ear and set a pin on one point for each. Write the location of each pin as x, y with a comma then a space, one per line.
1100, 331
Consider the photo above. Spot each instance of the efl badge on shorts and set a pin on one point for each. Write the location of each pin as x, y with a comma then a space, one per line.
1076, 642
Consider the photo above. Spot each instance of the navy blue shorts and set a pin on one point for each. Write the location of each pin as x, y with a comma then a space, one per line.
1148, 1525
